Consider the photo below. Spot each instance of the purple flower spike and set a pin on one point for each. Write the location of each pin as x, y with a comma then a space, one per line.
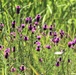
13, 24
50, 33
1, 47
38, 17
57, 63
33, 30
30, 27
17, 9
69, 60
51, 27
13, 69
26, 38
38, 48
38, 43
36, 23
55, 34
22, 68
60, 59
30, 20
61, 33
38, 37
27, 20
6, 55
70, 44
13, 49
22, 25
45, 27
6, 52
48, 46
40, 59
1, 26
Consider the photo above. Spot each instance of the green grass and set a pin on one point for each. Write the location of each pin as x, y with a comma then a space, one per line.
61, 13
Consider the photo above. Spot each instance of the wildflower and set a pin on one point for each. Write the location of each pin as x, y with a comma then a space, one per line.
17, 9
1, 47
33, 30
38, 37
59, 58
45, 27
54, 34
22, 25
13, 49
36, 23
70, 44
22, 68
13, 34
69, 60
48, 46
38, 17
1, 26
26, 38
61, 33
38, 43
30, 27
50, 33
55, 39
38, 48
51, 27
6, 52
30, 20
57, 63
40, 59
13, 24
27, 20
13, 69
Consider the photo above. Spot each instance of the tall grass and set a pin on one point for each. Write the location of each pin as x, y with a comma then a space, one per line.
59, 13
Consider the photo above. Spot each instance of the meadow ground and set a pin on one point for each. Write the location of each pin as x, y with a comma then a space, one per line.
37, 37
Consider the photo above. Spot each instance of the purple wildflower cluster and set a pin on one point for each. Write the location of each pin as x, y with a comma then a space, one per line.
72, 43
30, 28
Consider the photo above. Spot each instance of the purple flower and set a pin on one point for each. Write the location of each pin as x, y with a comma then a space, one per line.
22, 68
38, 43
6, 52
30, 27
13, 24
36, 23
26, 38
57, 63
55, 39
45, 27
17, 9
50, 33
38, 17
1, 26
27, 20
61, 33
13, 69
69, 60
54, 34
48, 46
38, 37
13, 49
60, 59
40, 59
70, 44
51, 27
33, 30
38, 48
22, 25
1, 47
30, 20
